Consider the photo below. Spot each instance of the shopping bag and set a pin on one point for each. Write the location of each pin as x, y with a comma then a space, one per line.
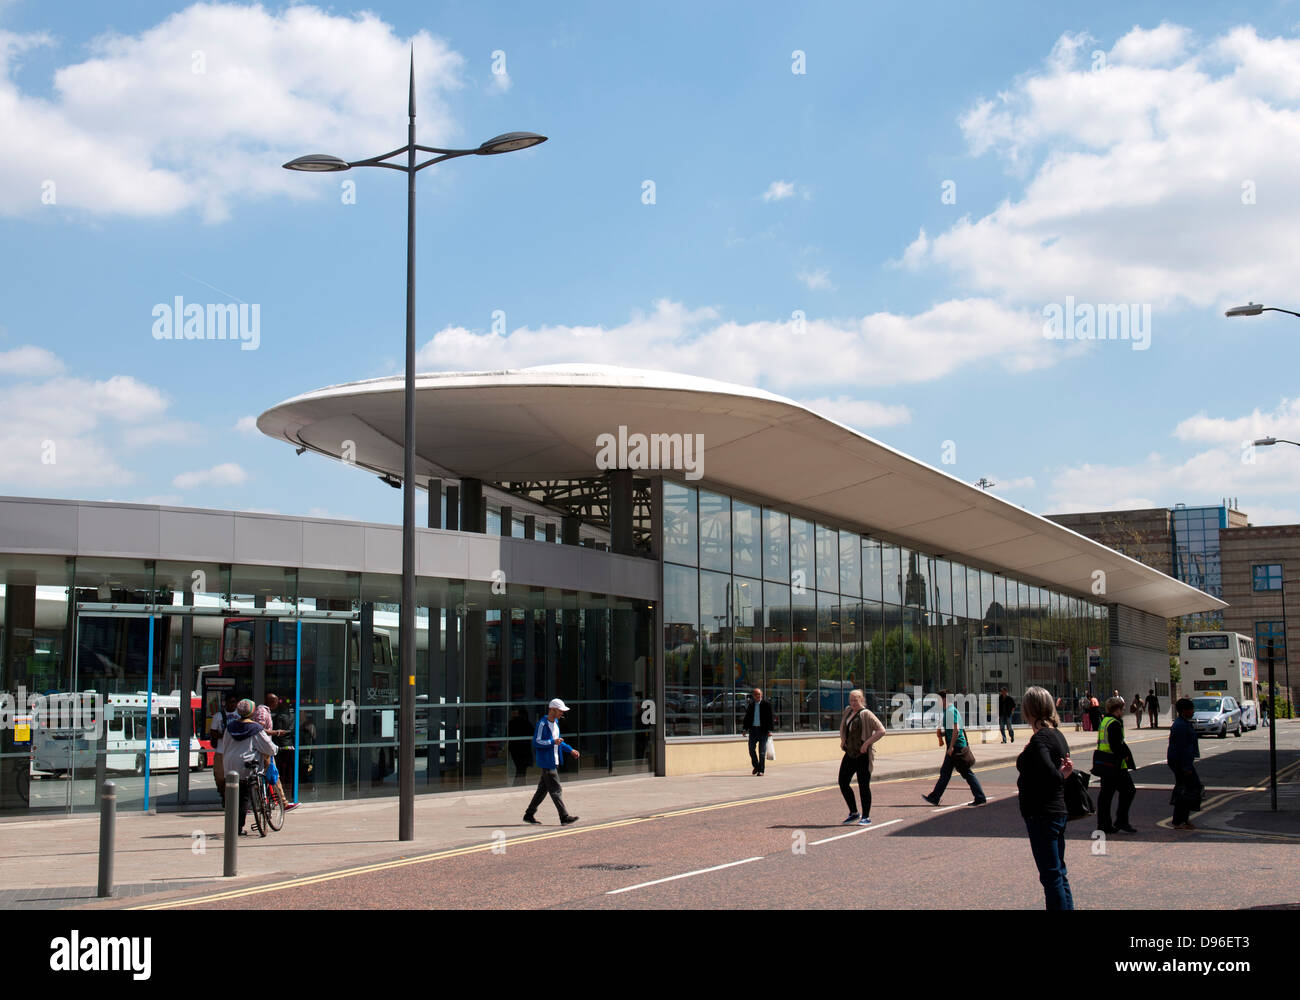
770, 752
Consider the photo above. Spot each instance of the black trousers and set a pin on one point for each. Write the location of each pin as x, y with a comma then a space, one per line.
759, 759
549, 784
861, 766
1185, 785
1113, 779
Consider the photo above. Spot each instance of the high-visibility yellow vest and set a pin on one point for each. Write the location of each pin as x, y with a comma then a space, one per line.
1103, 740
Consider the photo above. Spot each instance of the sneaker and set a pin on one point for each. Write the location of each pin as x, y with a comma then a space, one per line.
532, 819
853, 818
1004, 741
291, 805
864, 821
568, 819
932, 801
979, 802
754, 771
243, 833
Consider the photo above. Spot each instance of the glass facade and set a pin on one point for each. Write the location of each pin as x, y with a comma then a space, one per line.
1266, 577
838, 610
1196, 557
327, 643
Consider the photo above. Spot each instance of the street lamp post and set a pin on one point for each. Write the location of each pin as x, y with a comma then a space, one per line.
322, 163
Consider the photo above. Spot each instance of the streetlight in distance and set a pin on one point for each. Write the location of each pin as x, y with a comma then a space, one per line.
1254, 309
324, 163
1265, 442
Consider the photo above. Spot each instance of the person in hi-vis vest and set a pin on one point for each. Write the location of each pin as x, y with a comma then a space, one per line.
1113, 765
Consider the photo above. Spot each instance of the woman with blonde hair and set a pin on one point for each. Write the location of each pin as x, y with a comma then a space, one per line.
859, 731
1044, 765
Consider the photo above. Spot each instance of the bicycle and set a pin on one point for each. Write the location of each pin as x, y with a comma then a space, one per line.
266, 806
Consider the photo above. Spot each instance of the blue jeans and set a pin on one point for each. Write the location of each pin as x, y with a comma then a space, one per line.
1004, 727
1047, 841
945, 774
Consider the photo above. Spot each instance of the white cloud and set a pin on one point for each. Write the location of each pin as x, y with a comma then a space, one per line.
1138, 176
1229, 467
818, 280
246, 425
225, 474
65, 431
859, 413
202, 109
877, 349
779, 191
29, 360
1002, 484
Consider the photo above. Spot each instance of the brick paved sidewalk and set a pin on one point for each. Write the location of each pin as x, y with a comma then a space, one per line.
52, 862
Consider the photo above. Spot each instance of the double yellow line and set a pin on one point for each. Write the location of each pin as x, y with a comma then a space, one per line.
1225, 797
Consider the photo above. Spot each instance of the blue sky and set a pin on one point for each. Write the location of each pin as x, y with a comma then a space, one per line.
1142, 155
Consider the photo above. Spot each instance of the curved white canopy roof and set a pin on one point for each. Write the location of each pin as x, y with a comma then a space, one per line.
542, 423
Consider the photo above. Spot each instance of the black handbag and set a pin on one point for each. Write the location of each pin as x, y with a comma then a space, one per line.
1078, 800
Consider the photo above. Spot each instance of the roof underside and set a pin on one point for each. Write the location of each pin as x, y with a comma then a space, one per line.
542, 424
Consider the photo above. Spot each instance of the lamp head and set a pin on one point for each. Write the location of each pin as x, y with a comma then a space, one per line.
509, 142
1252, 309
1261, 442
318, 163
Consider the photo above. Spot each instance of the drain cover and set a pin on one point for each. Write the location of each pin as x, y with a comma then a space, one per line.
611, 868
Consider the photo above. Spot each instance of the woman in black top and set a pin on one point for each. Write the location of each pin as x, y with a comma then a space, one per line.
1044, 765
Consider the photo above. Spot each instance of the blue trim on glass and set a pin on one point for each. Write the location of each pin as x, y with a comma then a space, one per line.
297, 710
148, 721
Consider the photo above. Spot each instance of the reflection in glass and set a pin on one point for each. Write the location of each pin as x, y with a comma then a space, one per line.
680, 523
715, 531
745, 538
776, 546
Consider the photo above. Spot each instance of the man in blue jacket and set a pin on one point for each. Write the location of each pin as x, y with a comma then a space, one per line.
547, 747
1184, 748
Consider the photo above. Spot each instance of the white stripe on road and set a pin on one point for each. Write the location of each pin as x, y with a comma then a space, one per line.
959, 805
674, 878
854, 833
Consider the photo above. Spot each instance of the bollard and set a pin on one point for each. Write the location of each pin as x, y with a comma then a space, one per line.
232, 823
107, 825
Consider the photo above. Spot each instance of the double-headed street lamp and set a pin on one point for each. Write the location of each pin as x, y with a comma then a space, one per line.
322, 163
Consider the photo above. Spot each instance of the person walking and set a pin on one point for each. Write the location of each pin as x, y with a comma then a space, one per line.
1263, 711
1043, 766
860, 729
758, 724
1184, 748
1006, 708
1113, 764
1136, 709
1153, 708
547, 747
1094, 713
958, 756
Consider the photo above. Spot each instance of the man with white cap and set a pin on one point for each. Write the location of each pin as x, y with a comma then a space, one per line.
547, 747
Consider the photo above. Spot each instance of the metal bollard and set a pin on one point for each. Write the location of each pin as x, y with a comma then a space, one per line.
107, 826
232, 823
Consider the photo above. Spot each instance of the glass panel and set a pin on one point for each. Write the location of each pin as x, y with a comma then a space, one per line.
827, 695
776, 546
680, 523
850, 564
681, 653
871, 569
715, 531
719, 695
891, 571
777, 653
828, 558
747, 608
745, 538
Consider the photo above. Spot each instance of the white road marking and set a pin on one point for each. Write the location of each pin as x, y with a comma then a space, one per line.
960, 805
854, 833
674, 878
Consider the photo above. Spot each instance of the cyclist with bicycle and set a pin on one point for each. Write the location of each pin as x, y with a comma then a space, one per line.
241, 743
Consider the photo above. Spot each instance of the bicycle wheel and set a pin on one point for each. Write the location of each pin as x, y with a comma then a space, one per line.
274, 808
257, 806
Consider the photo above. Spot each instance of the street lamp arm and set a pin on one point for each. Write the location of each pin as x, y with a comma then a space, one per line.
1274, 309
456, 152
445, 156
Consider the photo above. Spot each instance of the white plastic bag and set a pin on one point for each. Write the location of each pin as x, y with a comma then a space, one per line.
770, 753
